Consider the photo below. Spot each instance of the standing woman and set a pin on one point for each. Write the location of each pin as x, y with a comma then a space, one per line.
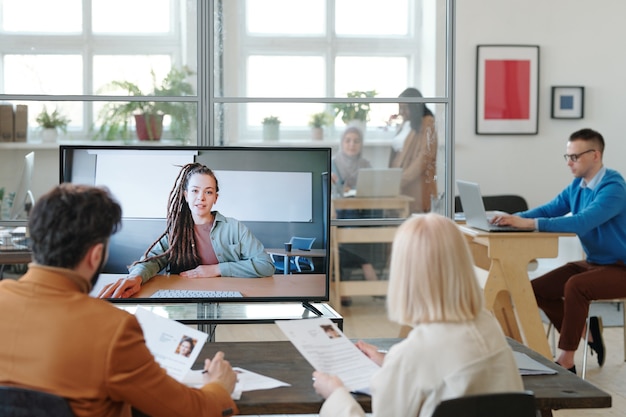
414, 149
198, 242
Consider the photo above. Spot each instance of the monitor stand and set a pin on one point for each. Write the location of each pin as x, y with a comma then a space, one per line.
311, 308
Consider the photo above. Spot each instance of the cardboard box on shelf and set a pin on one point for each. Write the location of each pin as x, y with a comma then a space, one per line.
21, 123
6, 123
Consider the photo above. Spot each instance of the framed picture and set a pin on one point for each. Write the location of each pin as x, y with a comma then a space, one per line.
568, 102
507, 89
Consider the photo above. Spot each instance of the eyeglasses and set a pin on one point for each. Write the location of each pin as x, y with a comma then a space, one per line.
575, 156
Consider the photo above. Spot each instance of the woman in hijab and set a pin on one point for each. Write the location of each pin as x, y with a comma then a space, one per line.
349, 159
345, 170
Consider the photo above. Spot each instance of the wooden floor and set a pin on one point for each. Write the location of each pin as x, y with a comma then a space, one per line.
366, 318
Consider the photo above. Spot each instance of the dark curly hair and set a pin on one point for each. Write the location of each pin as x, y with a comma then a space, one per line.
182, 252
68, 220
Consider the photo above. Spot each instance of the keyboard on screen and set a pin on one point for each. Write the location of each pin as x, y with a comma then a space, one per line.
195, 294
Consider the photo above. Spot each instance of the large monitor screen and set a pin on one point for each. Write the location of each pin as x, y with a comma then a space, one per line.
278, 194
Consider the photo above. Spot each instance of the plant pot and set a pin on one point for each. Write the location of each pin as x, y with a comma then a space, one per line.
49, 134
270, 131
149, 126
317, 133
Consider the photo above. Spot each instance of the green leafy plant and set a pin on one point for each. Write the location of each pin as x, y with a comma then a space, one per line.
52, 120
271, 120
354, 111
320, 119
114, 117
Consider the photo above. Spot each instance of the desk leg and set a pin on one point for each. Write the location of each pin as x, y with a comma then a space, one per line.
513, 303
287, 265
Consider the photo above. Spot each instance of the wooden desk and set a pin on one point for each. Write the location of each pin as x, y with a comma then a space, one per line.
361, 234
282, 361
15, 257
563, 390
311, 253
508, 292
307, 285
210, 314
400, 203
12, 257
340, 235
9, 253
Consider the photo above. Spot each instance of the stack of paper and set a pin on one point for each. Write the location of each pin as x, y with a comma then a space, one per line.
529, 366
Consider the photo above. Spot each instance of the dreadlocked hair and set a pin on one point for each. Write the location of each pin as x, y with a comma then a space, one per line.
182, 251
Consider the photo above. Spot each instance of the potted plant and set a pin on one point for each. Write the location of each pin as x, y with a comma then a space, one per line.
317, 123
148, 115
51, 123
354, 111
271, 125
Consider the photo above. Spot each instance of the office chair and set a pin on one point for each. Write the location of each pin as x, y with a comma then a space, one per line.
621, 303
508, 203
504, 404
296, 263
22, 402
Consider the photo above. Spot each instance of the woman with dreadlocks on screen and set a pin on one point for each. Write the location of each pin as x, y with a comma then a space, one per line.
197, 242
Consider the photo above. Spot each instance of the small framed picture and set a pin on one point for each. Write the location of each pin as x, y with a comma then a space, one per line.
568, 102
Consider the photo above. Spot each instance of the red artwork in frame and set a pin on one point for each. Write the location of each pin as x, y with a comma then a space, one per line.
507, 89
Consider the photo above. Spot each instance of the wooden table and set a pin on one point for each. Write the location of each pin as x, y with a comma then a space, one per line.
13, 257
508, 293
261, 302
563, 390
361, 234
311, 286
340, 235
282, 361
311, 253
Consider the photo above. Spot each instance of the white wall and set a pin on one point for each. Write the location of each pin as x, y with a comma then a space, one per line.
580, 43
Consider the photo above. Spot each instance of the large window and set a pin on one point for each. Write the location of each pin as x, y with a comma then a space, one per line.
275, 50
80, 48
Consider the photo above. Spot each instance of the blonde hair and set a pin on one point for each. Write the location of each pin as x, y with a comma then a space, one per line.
431, 276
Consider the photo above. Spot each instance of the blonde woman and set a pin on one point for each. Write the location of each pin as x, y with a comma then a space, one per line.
455, 348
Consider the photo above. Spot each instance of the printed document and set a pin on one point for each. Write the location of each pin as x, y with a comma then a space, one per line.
246, 381
174, 345
328, 350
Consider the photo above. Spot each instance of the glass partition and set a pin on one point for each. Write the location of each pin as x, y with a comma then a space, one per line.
224, 72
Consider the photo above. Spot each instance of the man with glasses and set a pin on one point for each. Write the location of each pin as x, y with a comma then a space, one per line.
596, 199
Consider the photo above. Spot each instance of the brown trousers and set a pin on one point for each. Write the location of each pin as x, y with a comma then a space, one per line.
565, 293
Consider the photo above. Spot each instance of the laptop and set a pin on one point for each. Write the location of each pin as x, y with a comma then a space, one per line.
378, 182
474, 209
